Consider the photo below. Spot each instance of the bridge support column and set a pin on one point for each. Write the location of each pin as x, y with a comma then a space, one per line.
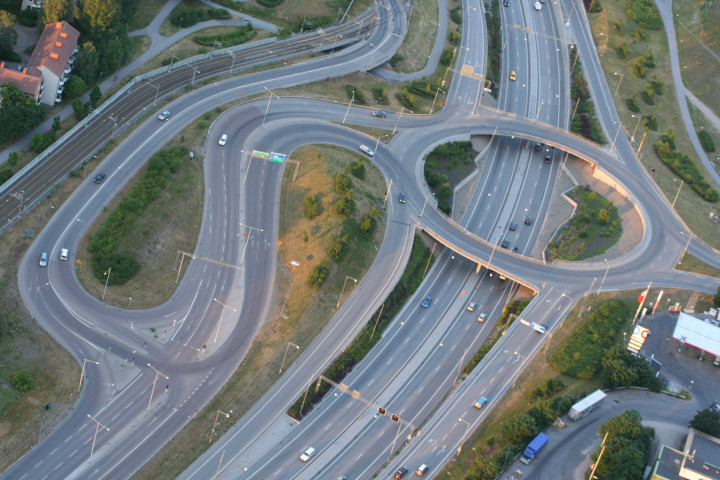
478, 268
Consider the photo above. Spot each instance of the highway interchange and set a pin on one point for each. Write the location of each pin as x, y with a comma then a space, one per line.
414, 367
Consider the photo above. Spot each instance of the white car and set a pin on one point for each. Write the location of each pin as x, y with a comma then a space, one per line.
164, 115
64, 254
43, 259
223, 140
307, 454
538, 6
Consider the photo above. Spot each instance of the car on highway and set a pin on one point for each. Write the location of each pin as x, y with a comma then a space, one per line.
538, 146
482, 317
379, 113
548, 156
164, 115
512, 226
482, 401
422, 470
400, 473
307, 454
99, 178
64, 254
402, 198
426, 303
505, 243
471, 307
43, 259
342, 477
505, 3
528, 220
513, 75
367, 150
538, 6
223, 140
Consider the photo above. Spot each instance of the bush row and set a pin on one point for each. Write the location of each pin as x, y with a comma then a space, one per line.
370, 334
584, 122
645, 13
235, 37
184, 18
494, 47
685, 168
104, 243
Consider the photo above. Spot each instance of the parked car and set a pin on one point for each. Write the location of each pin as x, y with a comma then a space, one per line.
223, 140
400, 473
379, 113
164, 115
99, 178
43, 259
426, 303
402, 198
471, 307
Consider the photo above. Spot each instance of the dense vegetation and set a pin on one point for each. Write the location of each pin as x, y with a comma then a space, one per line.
645, 13
707, 421
105, 244
372, 332
627, 447
187, 17
685, 168
492, 20
447, 156
583, 121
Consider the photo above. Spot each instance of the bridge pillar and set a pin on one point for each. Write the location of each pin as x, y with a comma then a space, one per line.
478, 268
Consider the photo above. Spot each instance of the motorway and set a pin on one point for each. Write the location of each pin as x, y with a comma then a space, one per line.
414, 367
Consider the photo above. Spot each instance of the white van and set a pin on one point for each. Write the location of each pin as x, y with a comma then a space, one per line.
367, 150
307, 454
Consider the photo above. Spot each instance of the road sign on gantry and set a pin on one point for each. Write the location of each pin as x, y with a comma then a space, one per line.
277, 157
258, 153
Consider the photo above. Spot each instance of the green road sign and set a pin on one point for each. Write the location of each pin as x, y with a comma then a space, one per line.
257, 153
277, 157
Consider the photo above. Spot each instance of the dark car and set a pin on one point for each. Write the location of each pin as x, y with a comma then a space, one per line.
548, 156
379, 113
402, 198
400, 473
505, 3
426, 303
528, 220
505, 243
512, 226
99, 178
538, 146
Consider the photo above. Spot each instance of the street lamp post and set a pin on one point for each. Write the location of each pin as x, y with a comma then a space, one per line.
157, 374
107, 279
678, 192
685, 249
467, 425
537, 115
335, 42
377, 142
402, 109
352, 99
436, 94
618, 85
371, 56
97, 427
615, 139
343, 289
212, 433
632, 138
285, 355
221, 317
37, 290
242, 258
268, 105
603, 279
82, 371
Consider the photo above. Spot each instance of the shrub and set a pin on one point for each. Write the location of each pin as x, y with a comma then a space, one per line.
311, 207
456, 15
342, 183
645, 13
235, 37
648, 59
454, 37
639, 70
353, 92
639, 35
447, 56
219, 13
369, 223
622, 50
380, 94
632, 104
358, 168
706, 141
22, 381
41, 141
547, 389
686, 170
184, 17
446, 191
13, 159
270, 3
5, 175
344, 207
648, 96
319, 274
337, 247
650, 122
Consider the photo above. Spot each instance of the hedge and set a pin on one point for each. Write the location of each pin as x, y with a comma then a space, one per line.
645, 13
103, 244
706, 141
686, 169
366, 340
235, 37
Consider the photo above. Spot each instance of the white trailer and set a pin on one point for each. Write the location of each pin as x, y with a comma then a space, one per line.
586, 405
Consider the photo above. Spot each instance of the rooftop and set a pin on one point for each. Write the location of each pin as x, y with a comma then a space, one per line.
55, 47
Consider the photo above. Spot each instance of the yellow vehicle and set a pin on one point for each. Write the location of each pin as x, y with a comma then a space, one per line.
512, 75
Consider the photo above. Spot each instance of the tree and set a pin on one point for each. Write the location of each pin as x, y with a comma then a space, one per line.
80, 110
75, 86
56, 125
716, 299
707, 421
14, 158
41, 141
483, 468
8, 35
95, 95
19, 113
87, 63
55, 11
311, 207
627, 448
603, 216
99, 15
519, 429
22, 381
342, 183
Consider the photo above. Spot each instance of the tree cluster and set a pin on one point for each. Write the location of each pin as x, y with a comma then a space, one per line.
627, 447
19, 113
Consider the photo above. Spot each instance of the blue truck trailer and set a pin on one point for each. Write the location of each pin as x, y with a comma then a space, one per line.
534, 448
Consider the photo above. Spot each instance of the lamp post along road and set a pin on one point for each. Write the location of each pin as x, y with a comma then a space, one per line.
212, 433
268, 105
285, 355
221, 317
343, 289
97, 427
152, 391
82, 371
242, 258
107, 279
603, 279
352, 99
678, 192
618, 85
